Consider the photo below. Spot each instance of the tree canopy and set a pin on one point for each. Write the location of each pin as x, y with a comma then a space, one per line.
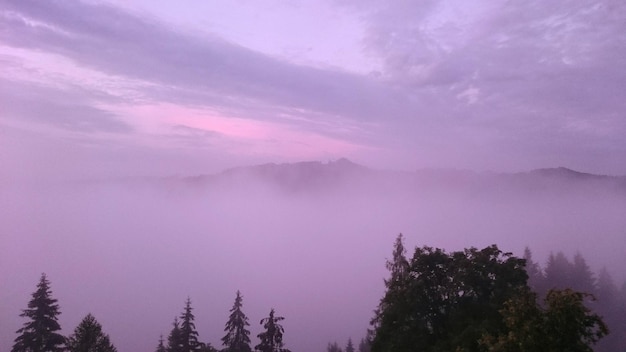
39, 333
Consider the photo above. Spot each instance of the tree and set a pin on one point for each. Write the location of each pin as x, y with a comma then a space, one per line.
445, 302
364, 345
188, 333
39, 334
174, 340
161, 346
333, 347
88, 337
237, 338
350, 346
582, 278
536, 279
565, 324
272, 337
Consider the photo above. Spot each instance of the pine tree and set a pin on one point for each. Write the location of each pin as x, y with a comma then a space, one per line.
237, 337
161, 345
350, 346
40, 333
174, 340
188, 333
272, 337
536, 280
364, 345
333, 347
581, 276
88, 337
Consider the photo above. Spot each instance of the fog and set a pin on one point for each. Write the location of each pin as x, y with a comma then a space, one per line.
131, 251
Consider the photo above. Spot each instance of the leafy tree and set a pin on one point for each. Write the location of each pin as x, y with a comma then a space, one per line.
272, 337
445, 302
188, 333
161, 346
39, 334
175, 340
565, 324
88, 337
350, 346
237, 338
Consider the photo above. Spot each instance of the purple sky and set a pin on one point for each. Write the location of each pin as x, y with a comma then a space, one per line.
110, 88
153, 88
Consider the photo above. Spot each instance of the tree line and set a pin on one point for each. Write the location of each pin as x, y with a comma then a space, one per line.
488, 300
464, 301
41, 332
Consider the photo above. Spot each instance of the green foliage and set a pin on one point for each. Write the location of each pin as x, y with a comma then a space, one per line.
39, 334
272, 337
88, 337
237, 338
565, 324
444, 301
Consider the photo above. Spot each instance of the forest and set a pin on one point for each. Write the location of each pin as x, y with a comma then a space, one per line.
470, 300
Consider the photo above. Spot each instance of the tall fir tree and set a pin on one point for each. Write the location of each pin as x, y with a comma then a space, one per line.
188, 333
174, 340
237, 338
88, 337
333, 347
536, 279
272, 337
39, 334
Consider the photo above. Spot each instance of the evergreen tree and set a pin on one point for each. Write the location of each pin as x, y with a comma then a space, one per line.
364, 346
393, 304
174, 340
349, 346
582, 279
161, 345
333, 347
188, 333
272, 337
39, 334
536, 280
558, 272
237, 338
88, 337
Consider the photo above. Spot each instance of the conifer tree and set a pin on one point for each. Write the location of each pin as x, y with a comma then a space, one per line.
188, 333
272, 337
88, 337
161, 345
39, 334
174, 340
333, 347
237, 338
350, 346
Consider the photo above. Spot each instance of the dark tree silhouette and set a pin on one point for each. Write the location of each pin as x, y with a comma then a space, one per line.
188, 333
333, 347
161, 346
174, 340
39, 334
237, 338
272, 337
88, 337
350, 346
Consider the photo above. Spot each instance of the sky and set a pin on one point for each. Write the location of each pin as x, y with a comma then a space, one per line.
144, 88
99, 90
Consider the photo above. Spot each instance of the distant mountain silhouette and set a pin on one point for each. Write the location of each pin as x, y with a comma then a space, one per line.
344, 174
